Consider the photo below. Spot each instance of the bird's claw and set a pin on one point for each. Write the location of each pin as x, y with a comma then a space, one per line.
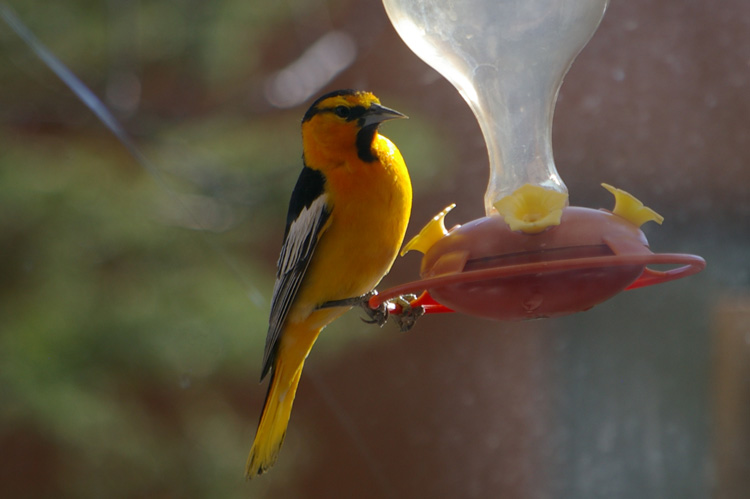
404, 319
378, 315
409, 314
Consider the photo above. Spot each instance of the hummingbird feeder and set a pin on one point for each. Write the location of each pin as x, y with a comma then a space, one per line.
532, 255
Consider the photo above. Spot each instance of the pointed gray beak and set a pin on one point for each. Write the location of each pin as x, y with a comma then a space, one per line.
377, 114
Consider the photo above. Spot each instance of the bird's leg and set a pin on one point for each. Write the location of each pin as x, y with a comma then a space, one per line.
346, 302
378, 315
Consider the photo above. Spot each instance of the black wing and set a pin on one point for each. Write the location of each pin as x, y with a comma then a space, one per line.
308, 214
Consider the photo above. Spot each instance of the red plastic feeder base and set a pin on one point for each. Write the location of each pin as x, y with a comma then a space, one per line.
483, 268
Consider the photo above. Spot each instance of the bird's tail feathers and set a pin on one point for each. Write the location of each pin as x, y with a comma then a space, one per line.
274, 418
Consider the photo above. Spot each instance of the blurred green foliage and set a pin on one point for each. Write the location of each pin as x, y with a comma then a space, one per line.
133, 305
102, 304
130, 302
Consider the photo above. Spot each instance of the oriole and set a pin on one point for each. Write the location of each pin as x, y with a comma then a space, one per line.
347, 218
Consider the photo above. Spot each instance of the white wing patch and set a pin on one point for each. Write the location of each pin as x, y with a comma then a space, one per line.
301, 232
296, 253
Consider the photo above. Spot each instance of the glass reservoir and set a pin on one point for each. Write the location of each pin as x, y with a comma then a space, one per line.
507, 58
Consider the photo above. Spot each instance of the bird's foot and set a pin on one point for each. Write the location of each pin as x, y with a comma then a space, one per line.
409, 314
377, 315
405, 314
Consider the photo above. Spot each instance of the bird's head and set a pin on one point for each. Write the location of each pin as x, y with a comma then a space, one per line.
344, 121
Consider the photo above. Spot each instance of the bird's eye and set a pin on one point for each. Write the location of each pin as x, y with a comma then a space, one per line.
341, 111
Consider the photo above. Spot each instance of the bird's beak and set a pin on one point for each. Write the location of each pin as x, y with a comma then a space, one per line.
377, 114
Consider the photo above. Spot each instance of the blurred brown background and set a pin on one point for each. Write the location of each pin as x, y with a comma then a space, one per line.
133, 305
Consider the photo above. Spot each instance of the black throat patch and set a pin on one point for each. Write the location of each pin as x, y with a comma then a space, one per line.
364, 143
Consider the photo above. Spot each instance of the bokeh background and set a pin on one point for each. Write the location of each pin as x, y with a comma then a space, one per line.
133, 302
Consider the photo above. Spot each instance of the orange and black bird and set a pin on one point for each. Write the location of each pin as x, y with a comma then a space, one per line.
347, 218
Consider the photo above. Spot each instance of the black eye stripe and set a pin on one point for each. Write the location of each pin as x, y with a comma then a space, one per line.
355, 113
350, 113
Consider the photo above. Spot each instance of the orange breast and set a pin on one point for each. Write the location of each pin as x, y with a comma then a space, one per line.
371, 204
